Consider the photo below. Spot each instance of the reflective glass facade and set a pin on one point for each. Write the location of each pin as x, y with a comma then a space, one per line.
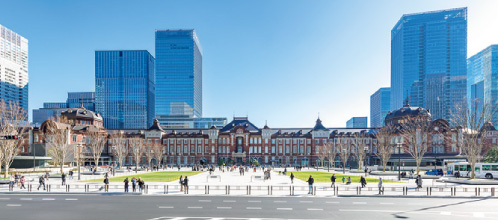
124, 88
428, 61
178, 71
482, 79
74, 100
357, 122
380, 105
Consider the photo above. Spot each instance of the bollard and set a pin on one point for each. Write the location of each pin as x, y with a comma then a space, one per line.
250, 188
492, 191
476, 191
382, 190
314, 190
268, 190
228, 190
335, 190
208, 189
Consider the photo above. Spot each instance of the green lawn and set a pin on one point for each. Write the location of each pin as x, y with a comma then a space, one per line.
324, 177
161, 176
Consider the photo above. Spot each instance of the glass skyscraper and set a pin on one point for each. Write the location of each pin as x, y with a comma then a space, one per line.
482, 79
178, 73
428, 61
380, 105
357, 122
124, 88
13, 68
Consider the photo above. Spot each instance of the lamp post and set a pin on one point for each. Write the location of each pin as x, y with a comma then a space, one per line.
343, 164
79, 164
399, 144
365, 149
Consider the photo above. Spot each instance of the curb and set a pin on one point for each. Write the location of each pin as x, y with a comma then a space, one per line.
70, 193
422, 197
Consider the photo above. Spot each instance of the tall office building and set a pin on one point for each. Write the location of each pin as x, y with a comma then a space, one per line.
428, 60
357, 122
482, 79
178, 73
13, 68
380, 105
124, 88
75, 99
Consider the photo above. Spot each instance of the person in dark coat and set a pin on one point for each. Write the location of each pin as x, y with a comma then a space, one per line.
106, 182
126, 182
63, 177
42, 182
181, 183
185, 184
332, 179
292, 178
363, 181
310, 184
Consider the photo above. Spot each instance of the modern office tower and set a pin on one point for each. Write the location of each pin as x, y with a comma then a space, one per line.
428, 61
178, 73
13, 68
206, 123
124, 88
380, 105
482, 80
75, 99
357, 122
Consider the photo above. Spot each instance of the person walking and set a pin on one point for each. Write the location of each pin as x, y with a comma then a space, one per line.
343, 179
106, 182
185, 184
380, 186
363, 182
181, 183
126, 184
22, 181
71, 174
310, 184
134, 184
41, 181
63, 177
12, 180
292, 178
419, 182
141, 184
332, 179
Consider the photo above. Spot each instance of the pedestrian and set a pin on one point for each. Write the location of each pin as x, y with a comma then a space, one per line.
71, 174
63, 177
363, 181
343, 179
181, 183
332, 179
349, 181
42, 182
310, 184
141, 184
419, 181
134, 184
381, 190
366, 170
292, 178
47, 174
126, 184
185, 184
22, 181
12, 180
106, 182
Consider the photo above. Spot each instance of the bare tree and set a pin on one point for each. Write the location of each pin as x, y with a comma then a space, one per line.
414, 137
136, 149
120, 148
58, 141
321, 153
385, 148
359, 148
471, 121
345, 151
96, 144
330, 152
13, 121
157, 149
149, 153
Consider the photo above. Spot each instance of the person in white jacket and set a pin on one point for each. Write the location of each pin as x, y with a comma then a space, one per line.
380, 186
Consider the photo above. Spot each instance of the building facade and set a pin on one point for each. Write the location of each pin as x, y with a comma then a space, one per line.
124, 88
13, 68
482, 79
178, 72
357, 122
54, 109
380, 105
428, 60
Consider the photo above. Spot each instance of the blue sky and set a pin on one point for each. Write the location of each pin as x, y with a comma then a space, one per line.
283, 61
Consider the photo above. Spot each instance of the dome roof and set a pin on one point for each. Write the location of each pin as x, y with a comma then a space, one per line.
81, 114
406, 111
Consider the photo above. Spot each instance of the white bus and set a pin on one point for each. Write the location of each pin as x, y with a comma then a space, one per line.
482, 170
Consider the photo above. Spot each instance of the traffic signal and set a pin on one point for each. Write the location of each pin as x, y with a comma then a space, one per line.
9, 137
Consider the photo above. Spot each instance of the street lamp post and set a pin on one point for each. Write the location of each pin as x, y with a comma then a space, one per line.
399, 160
343, 164
79, 164
366, 151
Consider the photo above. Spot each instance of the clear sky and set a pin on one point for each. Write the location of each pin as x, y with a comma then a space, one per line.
283, 61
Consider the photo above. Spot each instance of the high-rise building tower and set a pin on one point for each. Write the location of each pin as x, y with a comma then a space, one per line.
380, 105
178, 73
13, 68
357, 122
124, 88
428, 60
482, 80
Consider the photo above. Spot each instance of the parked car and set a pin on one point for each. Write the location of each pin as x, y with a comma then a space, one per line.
434, 172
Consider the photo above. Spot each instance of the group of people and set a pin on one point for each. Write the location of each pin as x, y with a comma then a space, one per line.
134, 183
183, 184
16, 179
